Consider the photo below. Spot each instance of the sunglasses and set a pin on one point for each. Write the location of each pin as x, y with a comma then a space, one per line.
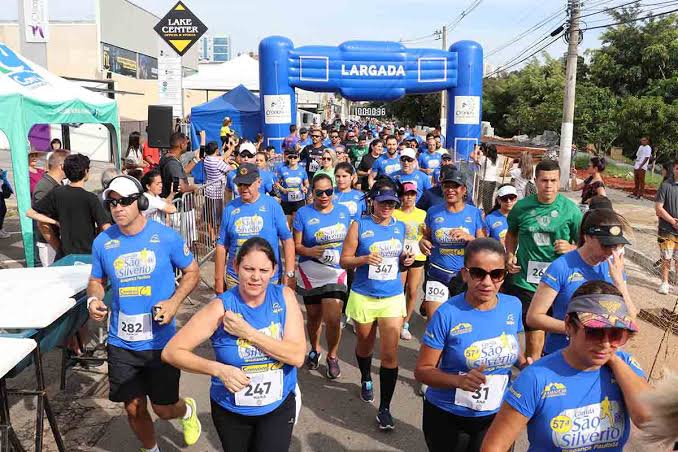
406, 159
390, 204
126, 201
292, 156
615, 336
479, 274
316, 136
451, 185
319, 193
326, 158
508, 198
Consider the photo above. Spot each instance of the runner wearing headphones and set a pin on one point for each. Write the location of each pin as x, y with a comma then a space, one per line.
413, 274
580, 397
138, 257
374, 248
467, 353
257, 332
319, 232
449, 228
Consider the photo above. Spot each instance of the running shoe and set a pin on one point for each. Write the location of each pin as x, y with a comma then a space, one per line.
313, 360
664, 288
385, 419
405, 333
191, 426
333, 370
422, 390
366, 392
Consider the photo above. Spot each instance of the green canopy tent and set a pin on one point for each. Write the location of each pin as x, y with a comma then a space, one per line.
30, 95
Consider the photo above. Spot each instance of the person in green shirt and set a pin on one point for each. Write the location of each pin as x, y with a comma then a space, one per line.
541, 227
357, 152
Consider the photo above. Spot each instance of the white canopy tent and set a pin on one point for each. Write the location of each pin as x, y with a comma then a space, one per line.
241, 70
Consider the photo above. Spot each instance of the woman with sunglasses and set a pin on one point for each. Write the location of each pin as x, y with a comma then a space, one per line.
468, 350
319, 232
580, 397
598, 257
293, 185
449, 227
413, 274
374, 248
496, 224
327, 163
409, 172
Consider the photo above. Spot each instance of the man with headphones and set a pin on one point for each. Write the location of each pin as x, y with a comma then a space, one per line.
138, 258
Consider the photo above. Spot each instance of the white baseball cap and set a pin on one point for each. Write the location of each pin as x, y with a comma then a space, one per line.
122, 186
507, 190
249, 147
408, 152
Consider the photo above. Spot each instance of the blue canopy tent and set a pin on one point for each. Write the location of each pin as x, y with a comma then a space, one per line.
240, 104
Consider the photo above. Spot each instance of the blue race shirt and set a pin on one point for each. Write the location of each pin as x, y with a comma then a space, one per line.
385, 166
428, 160
327, 230
270, 380
305, 142
565, 275
294, 179
230, 184
570, 409
241, 221
447, 252
418, 178
353, 200
469, 338
267, 182
496, 225
140, 269
382, 280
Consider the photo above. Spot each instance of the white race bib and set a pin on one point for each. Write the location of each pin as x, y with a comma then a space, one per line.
411, 247
295, 195
313, 166
535, 270
386, 271
487, 398
541, 238
134, 328
330, 257
264, 388
436, 291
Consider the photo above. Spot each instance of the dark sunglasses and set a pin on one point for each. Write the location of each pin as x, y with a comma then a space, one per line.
478, 274
615, 336
326, 158
452, 185
508, 198
292, 156
316, 136
328, 192
406, 159
126, 201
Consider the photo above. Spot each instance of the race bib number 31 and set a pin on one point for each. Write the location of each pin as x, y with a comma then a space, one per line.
386, 271
487, 398
535, 270
135, 328
264, 388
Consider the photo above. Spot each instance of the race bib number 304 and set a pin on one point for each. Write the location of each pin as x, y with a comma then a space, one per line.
436, 291
135, 328
264, 388
386, 271
487, 398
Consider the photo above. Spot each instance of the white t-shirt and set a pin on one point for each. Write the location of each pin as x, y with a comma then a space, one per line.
156, 206
518, 181
488, 170
644, 152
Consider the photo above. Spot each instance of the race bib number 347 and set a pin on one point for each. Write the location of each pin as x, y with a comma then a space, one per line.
386, 271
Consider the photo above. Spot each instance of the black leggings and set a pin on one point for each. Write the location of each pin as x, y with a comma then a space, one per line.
270, 432
447, 432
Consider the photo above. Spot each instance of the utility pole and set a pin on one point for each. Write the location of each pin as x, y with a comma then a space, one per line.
443, 93
565, 156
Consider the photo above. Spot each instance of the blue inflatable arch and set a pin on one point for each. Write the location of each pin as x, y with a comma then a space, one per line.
372, 71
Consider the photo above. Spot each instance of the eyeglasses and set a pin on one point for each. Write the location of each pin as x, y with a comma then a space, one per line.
451, 185
406, 159
292, 156
316, 136
127, 201
615, 336
508, 198
319, 193
479, 274
389, 204
326, 158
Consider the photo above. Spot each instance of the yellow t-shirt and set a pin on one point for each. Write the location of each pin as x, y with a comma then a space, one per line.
414, 221
226, 130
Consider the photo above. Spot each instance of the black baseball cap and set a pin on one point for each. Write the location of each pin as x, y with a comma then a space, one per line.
451, 174
303, 130
608, 235
246, 174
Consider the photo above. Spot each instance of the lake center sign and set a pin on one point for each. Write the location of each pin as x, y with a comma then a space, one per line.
180, 28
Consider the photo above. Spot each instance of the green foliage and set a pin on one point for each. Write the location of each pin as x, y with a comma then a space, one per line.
414, 109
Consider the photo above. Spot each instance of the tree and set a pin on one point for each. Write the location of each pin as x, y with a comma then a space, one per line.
414, 109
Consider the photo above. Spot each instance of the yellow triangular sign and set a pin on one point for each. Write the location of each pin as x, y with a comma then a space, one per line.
179, 44
180, 7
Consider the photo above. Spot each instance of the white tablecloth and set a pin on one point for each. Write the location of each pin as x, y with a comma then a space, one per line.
12, 351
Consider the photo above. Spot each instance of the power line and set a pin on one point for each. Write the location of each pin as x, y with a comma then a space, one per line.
612, 8
468, 10
635, 20
503, 68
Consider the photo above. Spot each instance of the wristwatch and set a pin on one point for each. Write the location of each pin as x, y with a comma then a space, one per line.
290, 274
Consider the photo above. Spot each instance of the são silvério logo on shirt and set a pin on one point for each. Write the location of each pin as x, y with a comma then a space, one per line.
329, 234
493, 353
445, 236
387, 248
461, 328
139, 264
599, 425
293, 182
554, 390
249, 225
249, 352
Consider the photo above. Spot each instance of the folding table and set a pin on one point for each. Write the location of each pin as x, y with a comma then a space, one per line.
13, 351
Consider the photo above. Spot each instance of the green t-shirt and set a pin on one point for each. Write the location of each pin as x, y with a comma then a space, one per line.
357, 154
538, 226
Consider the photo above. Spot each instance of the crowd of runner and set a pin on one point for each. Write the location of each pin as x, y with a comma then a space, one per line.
355, 219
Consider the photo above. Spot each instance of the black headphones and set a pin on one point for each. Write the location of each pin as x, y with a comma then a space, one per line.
142, 201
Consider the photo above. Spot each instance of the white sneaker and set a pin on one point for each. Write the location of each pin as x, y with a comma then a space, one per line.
664, 288
4, 234
405, 333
